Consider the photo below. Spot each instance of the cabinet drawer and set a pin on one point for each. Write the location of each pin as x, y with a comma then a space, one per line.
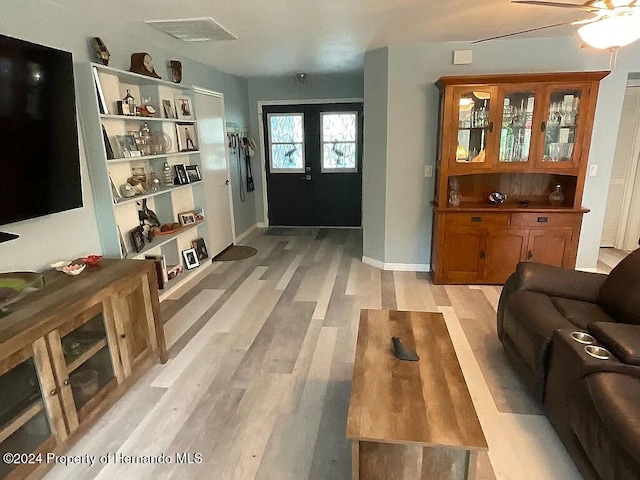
477, 219
543, 219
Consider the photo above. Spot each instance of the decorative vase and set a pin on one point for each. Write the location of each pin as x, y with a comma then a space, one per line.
556, 197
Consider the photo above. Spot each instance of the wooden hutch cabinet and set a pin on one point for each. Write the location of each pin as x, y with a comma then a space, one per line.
522, 135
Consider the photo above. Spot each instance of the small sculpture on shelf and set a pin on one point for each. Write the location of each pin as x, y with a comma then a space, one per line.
497, 198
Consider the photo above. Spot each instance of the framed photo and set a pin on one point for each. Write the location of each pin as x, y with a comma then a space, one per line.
181, 177
186, 133
199, 214
137, 239
193, 172
190, 258
187, 218
128, 146
184, 108
201, 248
168, 108
107, 144
123, 246
114, 191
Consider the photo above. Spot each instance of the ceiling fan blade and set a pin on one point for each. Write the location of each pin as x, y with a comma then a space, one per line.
521, 32
588, 8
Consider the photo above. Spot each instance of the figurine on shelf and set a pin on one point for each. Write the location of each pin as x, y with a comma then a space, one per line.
497, 198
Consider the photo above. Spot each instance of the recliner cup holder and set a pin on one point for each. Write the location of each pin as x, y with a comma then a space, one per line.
583, 337
597, 352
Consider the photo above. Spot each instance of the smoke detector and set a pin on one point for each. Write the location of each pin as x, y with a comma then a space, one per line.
203, 29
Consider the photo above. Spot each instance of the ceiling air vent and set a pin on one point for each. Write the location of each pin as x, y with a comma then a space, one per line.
203, 29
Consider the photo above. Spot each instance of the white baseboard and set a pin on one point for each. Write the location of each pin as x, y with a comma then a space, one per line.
262, 225
398, 267
589, 269
246, 233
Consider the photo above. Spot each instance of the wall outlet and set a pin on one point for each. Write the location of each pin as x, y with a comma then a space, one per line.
428, 171
593, 170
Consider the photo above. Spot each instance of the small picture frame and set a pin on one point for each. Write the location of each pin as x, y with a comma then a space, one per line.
137, 239
123, 246
123, 108
187, 140
184, 108
199, 214
190, 258
114, 191
168, 108
187, 218
128, 146
193, 171
201, 248
181, 177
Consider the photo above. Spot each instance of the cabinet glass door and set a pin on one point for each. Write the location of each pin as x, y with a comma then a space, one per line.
563, 125
24, 425
517, 124
473, 123
84, 362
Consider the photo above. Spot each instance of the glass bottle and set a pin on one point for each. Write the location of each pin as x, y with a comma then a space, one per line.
454, 193
556, 197
167, 175
153, 182
145, 139
131, 104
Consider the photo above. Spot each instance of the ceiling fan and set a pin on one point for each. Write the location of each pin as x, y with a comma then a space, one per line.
615, 23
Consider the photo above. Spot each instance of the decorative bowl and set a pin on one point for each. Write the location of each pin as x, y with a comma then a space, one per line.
497, 198
92, 260
59, 265
74, 269
15, 285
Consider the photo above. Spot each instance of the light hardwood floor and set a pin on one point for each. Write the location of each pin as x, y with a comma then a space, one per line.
259, 375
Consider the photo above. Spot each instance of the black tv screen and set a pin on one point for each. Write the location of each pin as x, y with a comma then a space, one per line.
39, 155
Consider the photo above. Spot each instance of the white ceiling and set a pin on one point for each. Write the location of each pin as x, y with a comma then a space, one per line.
287, 36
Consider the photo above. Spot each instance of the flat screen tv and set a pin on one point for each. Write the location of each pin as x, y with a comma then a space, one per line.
39, 155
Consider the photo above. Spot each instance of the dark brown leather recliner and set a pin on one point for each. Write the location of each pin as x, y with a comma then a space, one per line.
593, 405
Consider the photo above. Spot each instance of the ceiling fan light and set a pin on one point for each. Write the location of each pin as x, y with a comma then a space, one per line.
611, 32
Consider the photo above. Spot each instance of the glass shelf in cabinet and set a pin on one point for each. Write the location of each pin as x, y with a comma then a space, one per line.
162, 191
152, 157
145, 119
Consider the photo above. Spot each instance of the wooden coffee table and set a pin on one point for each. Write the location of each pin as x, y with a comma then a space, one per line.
410, 420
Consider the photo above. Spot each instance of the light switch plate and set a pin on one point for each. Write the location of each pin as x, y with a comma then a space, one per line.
462, 57
428, 171
593, 170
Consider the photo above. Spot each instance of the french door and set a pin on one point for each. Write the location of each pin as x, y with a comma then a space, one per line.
313, 162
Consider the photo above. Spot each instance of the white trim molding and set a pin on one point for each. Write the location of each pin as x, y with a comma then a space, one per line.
398, 267
246, 233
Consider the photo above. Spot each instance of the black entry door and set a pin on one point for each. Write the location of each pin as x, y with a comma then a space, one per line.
314, 164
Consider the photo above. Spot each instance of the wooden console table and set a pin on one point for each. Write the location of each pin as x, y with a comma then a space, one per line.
68, 351
410, 420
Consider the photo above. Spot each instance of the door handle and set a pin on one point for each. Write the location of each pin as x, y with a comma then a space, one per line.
543, 126
476, 219
543, 219
306, 177
490, 127
481, 254
529, 255
226, 182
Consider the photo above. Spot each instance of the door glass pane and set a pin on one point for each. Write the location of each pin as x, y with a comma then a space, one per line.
86, 353
564, 110
23, 421
286, 142
515, 134
339, 141
473, 126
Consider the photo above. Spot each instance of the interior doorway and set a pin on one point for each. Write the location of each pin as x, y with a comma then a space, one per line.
313, 164
621, 227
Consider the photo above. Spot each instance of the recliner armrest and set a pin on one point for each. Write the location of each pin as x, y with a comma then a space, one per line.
558, 282
621, 339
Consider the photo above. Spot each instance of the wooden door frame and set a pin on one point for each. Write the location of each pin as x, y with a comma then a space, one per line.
212, 93
261, 134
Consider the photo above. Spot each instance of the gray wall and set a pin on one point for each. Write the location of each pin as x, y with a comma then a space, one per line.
412, 127
75, 233
318, 86
374, 162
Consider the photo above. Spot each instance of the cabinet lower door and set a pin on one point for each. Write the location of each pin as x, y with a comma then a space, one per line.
504, 249
463, 254
135, 327
31, 419
551, 246
85, 361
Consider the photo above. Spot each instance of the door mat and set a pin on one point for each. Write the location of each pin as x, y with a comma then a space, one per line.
235, 252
